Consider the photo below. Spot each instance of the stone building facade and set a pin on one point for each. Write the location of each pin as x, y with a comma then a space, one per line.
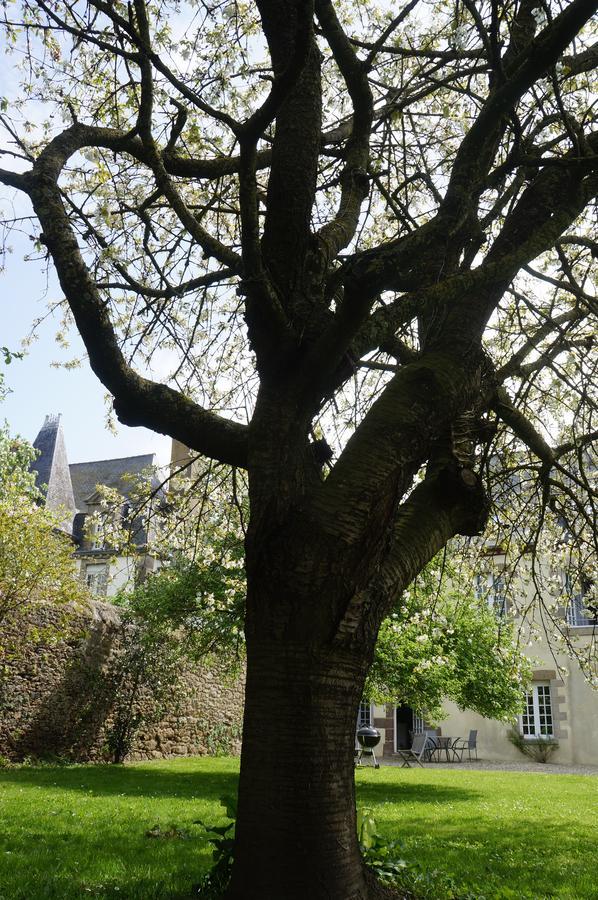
560, 704
72, 489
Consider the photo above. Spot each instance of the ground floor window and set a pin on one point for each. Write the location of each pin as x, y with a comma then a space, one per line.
364, 716
96, 578
536, 720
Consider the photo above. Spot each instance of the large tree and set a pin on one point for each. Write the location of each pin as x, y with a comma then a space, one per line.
340, 248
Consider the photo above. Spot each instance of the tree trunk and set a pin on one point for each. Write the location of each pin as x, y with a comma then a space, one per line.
296, 830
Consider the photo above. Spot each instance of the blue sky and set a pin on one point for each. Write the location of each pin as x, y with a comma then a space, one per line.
38, 388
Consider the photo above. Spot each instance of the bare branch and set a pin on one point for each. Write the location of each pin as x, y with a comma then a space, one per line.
137, 400
354, 180
550, 327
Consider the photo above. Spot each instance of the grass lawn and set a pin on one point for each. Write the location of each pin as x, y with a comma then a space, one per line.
496, 834
81, 831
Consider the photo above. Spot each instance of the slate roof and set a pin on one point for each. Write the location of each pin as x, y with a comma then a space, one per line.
110, 472
113, 473
73, 486
52, 475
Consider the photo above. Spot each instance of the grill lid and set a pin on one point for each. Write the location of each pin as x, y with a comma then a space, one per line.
368, 736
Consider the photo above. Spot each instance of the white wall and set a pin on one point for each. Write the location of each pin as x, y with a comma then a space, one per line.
120, 572
574, 705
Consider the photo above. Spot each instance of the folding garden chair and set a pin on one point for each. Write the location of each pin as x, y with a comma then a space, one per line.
416, 752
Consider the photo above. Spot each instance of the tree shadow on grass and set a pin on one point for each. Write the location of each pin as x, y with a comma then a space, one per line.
137, 838
106, 780
160, 780
391, 792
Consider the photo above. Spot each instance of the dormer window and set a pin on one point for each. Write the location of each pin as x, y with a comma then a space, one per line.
94, 532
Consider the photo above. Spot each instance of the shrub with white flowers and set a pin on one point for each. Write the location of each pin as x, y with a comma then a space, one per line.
443, 643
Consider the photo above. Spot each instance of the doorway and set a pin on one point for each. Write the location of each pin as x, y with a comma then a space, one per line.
403, 727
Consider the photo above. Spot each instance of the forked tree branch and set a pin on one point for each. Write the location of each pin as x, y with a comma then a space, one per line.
436, 510
137, 400
335, 235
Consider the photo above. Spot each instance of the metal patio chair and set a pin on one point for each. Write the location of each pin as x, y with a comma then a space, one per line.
461, 745
416, 752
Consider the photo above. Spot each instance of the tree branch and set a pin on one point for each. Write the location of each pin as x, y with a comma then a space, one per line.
581, 62
335, 235
522, 427
394, 439
108, 10
436, 510
512, 368
13, 179
137, 400
478, 148
295, 149
209, 244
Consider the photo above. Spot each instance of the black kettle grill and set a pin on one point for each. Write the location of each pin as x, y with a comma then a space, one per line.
368, 737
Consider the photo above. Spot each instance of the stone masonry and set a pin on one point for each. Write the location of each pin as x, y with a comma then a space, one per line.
53, 704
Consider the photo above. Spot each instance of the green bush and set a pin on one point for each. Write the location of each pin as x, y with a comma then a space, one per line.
539, 749
222, 838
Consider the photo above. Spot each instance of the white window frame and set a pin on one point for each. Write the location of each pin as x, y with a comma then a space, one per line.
537, 722
491, 588
96, 578
365, 714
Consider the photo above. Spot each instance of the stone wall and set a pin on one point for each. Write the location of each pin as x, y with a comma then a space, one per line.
54, 701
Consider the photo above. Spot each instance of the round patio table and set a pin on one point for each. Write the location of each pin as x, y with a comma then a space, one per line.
444, 745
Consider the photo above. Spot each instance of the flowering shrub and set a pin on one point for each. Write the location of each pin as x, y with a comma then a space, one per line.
35, 556
447, 644
181, 613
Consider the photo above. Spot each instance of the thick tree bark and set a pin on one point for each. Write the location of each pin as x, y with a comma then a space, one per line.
325, 557
296, 833
318, 588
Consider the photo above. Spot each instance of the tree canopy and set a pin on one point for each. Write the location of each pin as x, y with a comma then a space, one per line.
427, 178
349, 250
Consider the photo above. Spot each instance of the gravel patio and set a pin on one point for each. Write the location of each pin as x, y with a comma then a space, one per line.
483, 765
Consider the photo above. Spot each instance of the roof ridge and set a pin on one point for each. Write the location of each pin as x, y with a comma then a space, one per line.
111, 459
